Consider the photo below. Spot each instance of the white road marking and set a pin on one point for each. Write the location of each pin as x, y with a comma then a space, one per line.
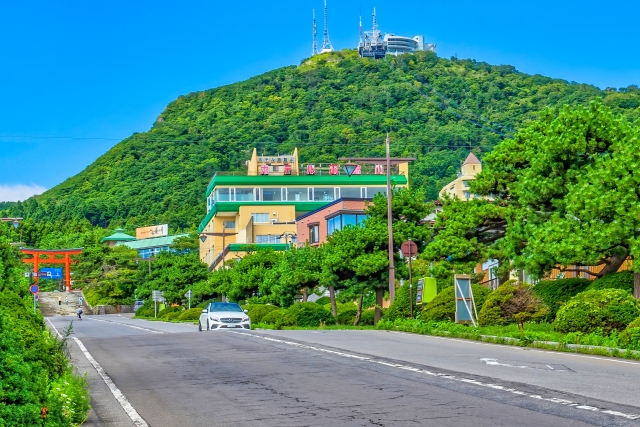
124, 324
121, 398
449, 377
54, 328
557, 353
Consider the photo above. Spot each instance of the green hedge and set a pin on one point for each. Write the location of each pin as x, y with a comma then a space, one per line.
308, 314
258, 311
600, 309
165, 311
507, 305
555, 293
619, 280
341, 307
192, 314
323, 301
443, 306
276, 317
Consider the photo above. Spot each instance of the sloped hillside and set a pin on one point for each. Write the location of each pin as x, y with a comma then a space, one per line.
330, 106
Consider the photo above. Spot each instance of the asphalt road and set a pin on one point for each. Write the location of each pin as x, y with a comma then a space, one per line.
173, 375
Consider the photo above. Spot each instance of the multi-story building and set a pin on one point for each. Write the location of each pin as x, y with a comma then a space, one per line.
398, 45
460, 186
258, 210
314, 227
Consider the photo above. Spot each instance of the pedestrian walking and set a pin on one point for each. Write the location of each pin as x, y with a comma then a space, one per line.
80, 301
59, 301
66, 300
79, 311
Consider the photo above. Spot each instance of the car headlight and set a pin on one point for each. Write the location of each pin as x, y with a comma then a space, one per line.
245, 319
215, 319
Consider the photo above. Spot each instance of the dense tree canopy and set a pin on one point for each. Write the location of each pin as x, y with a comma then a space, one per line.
332, 105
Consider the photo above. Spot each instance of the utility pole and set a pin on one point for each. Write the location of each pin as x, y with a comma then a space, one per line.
392, 267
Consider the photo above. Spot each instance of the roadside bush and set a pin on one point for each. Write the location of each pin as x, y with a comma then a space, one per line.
555, 293
308, 314
599, 309
347, 317
275, 317
192, 314
172, 316
512, 303
366, 318
443, 306
257, 312
323, 301
141, 310
630, 337
165, 311
399, 308
148, 312
341, 307
619, 280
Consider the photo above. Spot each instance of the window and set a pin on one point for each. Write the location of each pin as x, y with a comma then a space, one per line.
338, 222
271, 194
314, 233
323, 194
297, 194
268, 238
223, 194
229, 224
244, 195
466, 194
260, 218
465, 183
372, 191
350, 192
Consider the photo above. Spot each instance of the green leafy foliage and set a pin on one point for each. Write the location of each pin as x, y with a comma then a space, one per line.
308, 314
275, 317
323, 301
191, 314
327, 106
619, 280
512, 303
562, 192
555, 293
599, 309
443, 306
257, 312
399, 308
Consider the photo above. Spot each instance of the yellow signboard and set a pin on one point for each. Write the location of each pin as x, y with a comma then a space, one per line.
153, 231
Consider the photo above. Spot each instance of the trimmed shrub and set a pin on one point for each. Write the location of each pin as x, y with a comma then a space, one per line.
443, 306
347, 306
141, 310
148, 312
323, 301
512, 303
366, 318
619, 280
192, 314
257, 312
275, 317
630, 337
347, 317
555, 293
172, 316
599, 309
399, 309
165, 311
307, 314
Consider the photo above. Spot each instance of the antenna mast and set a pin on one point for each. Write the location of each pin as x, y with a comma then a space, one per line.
314, 48
326, 43
361, 41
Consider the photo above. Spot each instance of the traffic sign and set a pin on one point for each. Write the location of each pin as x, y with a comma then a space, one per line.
189, 294
34, 289
31, 274
36, 296
409, 248
157, 296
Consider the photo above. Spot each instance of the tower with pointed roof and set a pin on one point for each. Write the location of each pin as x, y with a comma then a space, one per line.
459, 188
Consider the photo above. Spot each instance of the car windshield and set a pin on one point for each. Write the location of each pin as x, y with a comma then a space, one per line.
225, 306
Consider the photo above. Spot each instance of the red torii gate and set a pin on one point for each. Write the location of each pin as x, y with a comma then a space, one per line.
48, 256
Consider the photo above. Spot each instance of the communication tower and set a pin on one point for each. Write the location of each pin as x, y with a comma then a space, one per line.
314, 48
373, 46
326, 43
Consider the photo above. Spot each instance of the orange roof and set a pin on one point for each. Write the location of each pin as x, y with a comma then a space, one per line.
471, 160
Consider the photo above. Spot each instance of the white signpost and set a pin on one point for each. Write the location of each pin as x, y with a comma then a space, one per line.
156, 296
189, 294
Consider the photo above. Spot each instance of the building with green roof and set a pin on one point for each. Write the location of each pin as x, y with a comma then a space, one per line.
117, 237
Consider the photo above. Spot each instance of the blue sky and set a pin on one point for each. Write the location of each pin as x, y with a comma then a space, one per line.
77, 76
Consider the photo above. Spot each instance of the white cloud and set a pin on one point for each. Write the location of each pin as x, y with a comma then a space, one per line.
15, 192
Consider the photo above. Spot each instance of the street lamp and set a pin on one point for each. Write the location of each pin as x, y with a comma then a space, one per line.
204, 236
349, 168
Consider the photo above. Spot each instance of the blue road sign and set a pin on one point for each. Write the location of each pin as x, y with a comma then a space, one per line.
34, 289
51, 273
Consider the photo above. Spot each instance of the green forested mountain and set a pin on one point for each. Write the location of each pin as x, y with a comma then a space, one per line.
330, 106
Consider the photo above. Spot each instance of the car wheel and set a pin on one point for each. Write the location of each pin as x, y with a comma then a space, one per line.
208, 328
199, 326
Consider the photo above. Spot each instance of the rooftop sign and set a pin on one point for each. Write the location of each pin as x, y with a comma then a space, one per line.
153, 231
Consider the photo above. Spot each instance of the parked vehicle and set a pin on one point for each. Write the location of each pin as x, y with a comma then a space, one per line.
137, 305
223, 315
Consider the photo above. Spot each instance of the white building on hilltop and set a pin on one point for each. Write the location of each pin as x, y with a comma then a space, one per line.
397, 45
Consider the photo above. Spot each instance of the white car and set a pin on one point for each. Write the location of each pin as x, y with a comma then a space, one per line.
223, 315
